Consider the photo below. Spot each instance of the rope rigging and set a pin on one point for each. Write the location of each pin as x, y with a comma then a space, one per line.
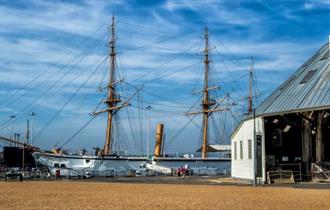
68, 101
32, 105
56, 63
35, 103
136, 109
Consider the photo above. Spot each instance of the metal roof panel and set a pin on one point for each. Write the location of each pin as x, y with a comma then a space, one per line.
295, 95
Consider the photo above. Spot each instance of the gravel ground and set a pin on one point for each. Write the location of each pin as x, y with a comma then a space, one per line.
108, 195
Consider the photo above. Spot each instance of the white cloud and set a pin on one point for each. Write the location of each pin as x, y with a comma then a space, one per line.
34, 38
308, 6
214, 11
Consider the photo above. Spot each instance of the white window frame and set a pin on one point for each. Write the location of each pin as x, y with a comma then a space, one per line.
241, 149
249, 149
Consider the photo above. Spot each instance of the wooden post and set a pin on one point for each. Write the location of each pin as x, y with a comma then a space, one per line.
306, 144
318, 139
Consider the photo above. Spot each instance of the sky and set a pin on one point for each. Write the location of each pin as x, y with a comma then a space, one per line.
53, 60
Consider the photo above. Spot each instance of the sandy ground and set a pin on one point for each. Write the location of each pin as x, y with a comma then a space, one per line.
104, 195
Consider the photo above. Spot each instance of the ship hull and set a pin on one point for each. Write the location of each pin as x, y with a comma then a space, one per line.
200, 166
75, 165
79, 165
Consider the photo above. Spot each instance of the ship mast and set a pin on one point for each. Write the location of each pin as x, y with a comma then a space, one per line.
207, 102
250, 97
112, 99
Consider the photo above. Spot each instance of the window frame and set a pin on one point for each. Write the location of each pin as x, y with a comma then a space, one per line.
241, 150
250, 149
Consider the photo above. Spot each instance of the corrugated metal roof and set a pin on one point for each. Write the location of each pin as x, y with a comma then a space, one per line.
307, 88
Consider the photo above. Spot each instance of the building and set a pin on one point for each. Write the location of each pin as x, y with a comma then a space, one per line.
18, 157
1, 157
290, 131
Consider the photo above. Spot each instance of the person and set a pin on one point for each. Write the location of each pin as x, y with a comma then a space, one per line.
186, 168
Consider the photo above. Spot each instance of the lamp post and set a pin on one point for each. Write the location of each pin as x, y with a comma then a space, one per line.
12, 127
148, 129
32, 114
254, 149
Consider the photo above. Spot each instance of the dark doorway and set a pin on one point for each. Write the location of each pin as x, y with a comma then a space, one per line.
259, 155
283, 145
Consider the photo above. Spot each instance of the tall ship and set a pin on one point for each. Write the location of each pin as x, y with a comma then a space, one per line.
105, 160
109, 161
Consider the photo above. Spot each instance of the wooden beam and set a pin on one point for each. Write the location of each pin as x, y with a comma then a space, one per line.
306, 142
319, 137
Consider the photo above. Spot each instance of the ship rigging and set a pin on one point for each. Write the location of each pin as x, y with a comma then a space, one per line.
112, 155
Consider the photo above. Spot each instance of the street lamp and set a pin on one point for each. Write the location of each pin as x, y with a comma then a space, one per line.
149, 108
32, 114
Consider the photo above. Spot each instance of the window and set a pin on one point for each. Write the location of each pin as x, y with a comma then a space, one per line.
277, 137
250, 149
308, 76
235, 150
241, 149
325, 56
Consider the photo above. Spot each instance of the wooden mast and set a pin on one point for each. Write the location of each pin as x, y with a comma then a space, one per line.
111, 100
113, 97
206, 102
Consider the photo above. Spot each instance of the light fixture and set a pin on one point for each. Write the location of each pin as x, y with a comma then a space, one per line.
287, 128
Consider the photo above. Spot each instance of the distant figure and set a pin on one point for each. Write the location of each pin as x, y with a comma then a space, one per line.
186, 166
97, 151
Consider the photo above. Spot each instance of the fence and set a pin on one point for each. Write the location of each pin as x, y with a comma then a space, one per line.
280, 177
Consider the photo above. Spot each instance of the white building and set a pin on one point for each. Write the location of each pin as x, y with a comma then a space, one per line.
242, 142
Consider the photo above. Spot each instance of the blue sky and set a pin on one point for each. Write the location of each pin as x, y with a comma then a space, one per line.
49, 38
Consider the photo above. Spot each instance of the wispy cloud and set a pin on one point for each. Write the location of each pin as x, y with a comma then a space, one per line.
159, 44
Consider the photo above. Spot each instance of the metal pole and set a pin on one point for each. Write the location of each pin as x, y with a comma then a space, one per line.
32, 122
163, 145
27, 132
255, 149
12, 128
148, 129
23, 158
